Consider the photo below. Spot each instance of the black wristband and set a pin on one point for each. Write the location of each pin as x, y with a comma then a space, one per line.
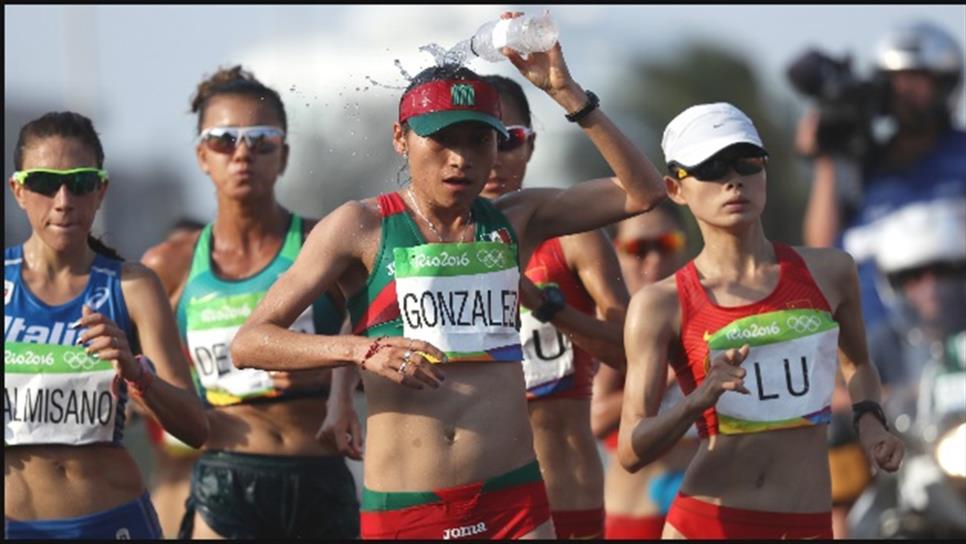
592, 104
862, 407
553, 301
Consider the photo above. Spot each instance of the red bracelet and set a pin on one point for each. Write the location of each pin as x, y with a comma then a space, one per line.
141, 385
374, 348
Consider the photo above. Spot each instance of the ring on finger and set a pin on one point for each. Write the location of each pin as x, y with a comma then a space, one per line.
402, 367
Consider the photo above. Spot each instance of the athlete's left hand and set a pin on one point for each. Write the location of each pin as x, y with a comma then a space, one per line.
885, 448
341, 428
106, 341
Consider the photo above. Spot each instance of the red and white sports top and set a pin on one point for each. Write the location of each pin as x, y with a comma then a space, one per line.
553, 366
701, 318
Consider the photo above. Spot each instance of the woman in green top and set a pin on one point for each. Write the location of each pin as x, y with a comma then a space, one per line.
432, 271
263, 473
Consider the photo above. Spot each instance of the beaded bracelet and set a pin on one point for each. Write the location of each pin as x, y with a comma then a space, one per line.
374, 348
140, 386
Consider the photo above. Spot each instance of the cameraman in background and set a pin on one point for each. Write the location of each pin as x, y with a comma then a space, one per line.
859, 179
877, 146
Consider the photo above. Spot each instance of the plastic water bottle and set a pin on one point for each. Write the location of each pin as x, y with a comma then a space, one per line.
524, 34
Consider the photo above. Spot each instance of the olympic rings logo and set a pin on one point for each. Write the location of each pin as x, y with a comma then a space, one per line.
491, 258
808, 323
79, 361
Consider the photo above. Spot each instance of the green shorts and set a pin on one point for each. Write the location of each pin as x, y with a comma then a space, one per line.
243, 496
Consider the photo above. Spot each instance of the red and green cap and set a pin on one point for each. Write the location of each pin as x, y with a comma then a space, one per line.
438, 104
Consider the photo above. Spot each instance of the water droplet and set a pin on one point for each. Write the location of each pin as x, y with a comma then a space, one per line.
353, 153
307, 104
357, 89
402, 70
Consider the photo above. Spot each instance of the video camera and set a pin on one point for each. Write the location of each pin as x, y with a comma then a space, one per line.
847, 105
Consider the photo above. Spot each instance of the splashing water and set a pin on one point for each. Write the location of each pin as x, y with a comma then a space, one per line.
458, 54
402, 70
377, 84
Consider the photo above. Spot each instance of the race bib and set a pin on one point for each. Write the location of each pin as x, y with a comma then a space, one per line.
791, 367
462, 298
56, 394
548, 355
212, 324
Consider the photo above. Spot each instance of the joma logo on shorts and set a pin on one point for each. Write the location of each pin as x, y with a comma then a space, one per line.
463, 532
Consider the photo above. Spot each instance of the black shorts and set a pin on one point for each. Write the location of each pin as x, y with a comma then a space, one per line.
244, 495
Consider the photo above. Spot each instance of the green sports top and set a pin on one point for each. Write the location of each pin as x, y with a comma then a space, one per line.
211, 310
460, 297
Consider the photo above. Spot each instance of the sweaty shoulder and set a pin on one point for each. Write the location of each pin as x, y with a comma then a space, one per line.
171, 259
354, 218
137, 280
350, 229
656, 306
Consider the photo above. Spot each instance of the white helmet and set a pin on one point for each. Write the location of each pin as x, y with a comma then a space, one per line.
920, 46
920, 234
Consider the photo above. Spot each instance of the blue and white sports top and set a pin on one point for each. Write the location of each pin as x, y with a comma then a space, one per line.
54, 393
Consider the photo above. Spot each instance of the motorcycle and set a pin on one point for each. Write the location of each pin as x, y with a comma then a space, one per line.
926, 497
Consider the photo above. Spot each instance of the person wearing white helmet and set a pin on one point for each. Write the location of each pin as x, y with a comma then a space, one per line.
921, 66
755, 332
921, 256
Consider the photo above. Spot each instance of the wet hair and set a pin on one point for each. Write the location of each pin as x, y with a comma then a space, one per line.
440, 72
65, 124
512, 90
238, 81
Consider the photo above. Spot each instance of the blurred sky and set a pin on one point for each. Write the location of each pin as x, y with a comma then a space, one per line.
133, 68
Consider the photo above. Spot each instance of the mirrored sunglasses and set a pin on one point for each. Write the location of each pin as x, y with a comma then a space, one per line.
47, 181
260, 139
516, 136
669, 242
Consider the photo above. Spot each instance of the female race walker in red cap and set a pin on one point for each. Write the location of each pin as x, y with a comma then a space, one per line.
755, 332
432, 274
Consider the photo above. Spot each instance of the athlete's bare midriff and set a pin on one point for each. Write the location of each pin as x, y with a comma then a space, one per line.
567, 452
285, 427
472, 428
772, 471
627, 493
56, 481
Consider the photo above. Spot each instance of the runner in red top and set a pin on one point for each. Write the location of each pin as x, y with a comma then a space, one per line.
650, 247
561, 336
756, 332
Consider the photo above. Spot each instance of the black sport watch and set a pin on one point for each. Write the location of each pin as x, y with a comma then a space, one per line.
553, 302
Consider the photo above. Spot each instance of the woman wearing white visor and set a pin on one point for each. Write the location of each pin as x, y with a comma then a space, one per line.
755, 331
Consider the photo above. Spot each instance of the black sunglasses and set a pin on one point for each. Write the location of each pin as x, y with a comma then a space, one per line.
47, 181
516, 135
717, 167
